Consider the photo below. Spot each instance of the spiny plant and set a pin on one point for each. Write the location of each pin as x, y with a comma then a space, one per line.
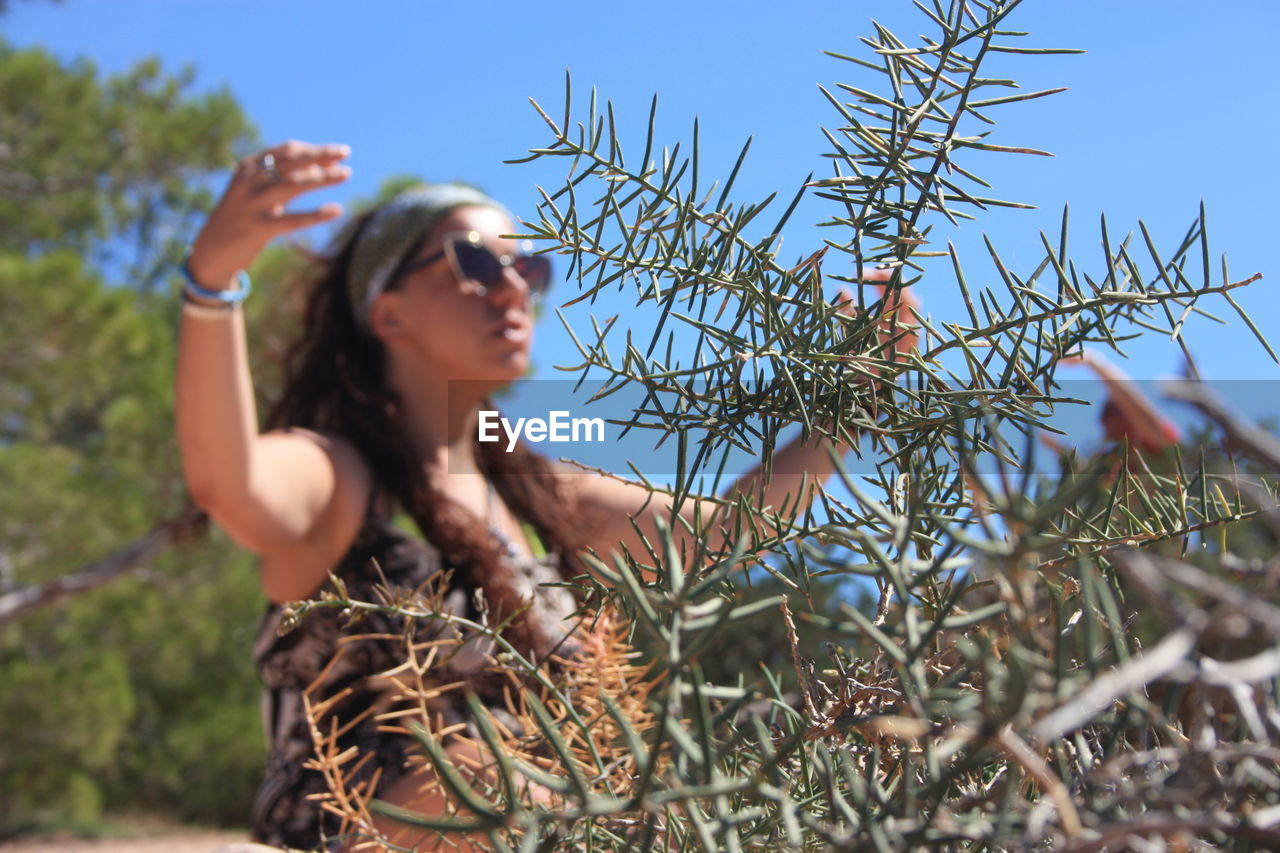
1000, 695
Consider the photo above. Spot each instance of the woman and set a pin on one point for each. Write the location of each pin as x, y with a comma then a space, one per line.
421, 311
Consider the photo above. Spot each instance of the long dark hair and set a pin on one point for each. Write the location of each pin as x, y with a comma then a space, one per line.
334, 382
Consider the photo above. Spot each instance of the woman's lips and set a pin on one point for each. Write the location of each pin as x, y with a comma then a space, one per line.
514, 331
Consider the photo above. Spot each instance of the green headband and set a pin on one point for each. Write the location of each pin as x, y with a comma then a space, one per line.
394, 231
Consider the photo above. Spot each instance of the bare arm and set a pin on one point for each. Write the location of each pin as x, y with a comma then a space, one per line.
267, 491
609, 507
798, 469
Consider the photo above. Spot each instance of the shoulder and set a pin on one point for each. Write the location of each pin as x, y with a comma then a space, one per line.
349, 475
296, 571
347, 459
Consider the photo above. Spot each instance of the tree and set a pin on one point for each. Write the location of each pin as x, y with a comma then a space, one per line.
124, 696
997, 696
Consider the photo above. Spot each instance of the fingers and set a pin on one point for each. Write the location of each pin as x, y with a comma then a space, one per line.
872, 275
1084, 357
845, 302
900, 303
290, 168
906, 301
893, 307
294, 154
285, 221
290, 183
309, 162
252, 210
898, 323
305, 151
283, 172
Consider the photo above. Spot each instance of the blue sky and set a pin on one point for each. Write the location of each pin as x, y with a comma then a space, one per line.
1174, 102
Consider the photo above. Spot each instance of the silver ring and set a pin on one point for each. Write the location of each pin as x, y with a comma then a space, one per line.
267, 163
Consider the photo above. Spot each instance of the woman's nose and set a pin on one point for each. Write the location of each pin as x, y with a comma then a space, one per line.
511, 288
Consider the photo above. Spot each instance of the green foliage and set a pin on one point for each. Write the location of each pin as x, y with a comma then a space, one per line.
113, 165
70, 711
123, 697
196, 726
742, 649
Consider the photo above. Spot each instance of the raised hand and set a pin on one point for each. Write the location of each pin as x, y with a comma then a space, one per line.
252, 212
898, 318
1128, 414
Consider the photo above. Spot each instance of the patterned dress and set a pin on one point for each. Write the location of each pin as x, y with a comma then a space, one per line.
342, 667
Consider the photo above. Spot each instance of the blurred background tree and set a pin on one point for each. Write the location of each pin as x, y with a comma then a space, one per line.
126, 697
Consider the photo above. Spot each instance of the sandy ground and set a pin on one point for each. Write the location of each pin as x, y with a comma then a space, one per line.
181, 841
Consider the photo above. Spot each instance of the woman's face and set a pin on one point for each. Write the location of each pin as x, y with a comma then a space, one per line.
449, 326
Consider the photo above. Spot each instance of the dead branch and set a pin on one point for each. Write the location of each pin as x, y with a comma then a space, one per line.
1250, 438
189, 525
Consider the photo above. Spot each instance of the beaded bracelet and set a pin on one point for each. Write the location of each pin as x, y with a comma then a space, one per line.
194, 292
191, 308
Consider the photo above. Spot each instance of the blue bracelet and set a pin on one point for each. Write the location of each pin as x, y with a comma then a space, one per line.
227, 297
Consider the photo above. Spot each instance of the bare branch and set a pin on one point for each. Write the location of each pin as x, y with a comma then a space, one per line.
137, 554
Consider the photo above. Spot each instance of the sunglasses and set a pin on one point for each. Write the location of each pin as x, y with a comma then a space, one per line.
473, 261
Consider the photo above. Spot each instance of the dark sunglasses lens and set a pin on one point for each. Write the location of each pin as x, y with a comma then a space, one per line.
536, 271
477, 263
